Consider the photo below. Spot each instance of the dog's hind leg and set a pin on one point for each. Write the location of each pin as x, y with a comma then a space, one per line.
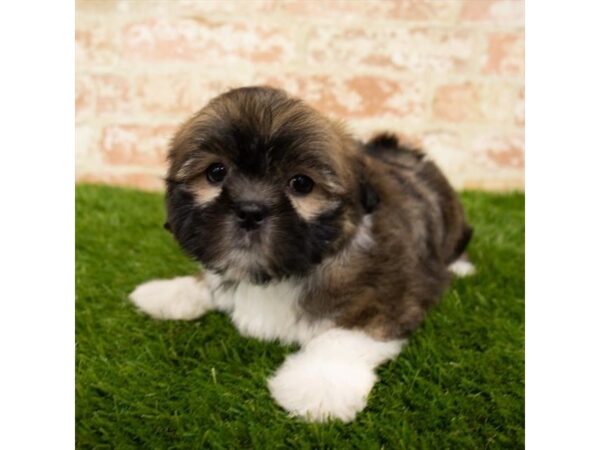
462, 267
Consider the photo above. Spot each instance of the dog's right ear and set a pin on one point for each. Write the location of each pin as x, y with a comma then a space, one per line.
167, 226
368, 197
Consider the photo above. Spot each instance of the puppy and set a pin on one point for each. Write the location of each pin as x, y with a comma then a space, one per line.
307, 236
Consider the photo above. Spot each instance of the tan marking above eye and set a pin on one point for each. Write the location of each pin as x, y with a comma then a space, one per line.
204, 192
312, 205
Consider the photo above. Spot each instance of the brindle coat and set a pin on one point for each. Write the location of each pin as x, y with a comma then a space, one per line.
370, 244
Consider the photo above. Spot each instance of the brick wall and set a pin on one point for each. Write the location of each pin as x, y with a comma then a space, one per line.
447, 74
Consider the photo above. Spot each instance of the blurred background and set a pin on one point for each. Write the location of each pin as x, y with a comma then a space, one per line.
446, 74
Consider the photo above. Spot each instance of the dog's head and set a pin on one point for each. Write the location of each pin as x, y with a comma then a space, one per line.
260, 186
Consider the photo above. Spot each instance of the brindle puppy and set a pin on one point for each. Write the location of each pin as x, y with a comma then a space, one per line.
307, 235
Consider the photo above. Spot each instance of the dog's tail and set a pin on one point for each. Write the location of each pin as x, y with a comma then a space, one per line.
388, 147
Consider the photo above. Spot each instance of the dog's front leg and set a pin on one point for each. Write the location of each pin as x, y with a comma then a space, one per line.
181, 298
332, 375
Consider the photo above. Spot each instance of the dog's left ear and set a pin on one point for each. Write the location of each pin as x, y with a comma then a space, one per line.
368, 197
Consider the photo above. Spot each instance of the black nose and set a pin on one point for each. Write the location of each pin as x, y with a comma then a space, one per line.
250, 214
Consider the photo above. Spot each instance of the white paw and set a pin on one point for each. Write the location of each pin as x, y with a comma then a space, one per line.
462, 268
182, 298
331, 377
322, 390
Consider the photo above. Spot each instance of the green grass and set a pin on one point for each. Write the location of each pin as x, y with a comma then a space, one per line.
149, 384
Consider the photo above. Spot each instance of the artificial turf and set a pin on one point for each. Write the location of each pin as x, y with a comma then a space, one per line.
143, 383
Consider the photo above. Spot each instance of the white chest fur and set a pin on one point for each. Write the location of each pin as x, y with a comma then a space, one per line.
269, 311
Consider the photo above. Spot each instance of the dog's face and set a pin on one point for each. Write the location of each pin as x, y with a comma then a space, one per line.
262, 187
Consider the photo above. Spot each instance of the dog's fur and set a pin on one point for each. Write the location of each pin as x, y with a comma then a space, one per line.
347, 270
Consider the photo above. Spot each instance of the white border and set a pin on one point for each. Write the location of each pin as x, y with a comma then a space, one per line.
563, 225
37, 235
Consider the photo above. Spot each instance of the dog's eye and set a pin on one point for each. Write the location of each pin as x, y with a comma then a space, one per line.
216, 173
301, 184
